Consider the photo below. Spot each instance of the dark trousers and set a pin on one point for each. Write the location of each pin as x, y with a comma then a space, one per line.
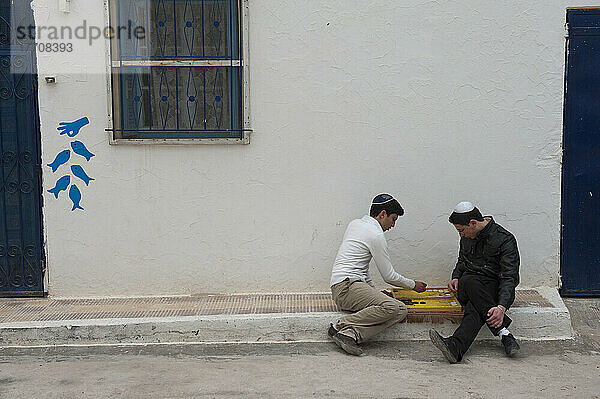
477, 294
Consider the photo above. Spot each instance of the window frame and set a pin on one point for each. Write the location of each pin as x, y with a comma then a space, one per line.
244, 98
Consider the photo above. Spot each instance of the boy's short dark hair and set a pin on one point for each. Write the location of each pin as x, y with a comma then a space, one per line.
387, 203
463, 218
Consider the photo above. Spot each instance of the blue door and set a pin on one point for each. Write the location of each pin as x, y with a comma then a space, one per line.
21, 255
580, 218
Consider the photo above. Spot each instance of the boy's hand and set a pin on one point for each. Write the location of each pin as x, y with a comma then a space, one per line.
453, 285
496, 316
420, 286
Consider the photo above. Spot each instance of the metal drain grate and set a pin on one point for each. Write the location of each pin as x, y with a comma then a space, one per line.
78, 309
23, 310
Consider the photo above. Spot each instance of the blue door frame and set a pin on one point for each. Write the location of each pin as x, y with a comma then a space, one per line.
21, 253
580, 210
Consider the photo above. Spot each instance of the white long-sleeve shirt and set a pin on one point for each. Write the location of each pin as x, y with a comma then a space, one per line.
363, 241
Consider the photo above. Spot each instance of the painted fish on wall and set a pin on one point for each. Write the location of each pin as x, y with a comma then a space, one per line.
60, 159
61, 185
80, 173
71, 129
75, 196
80, 149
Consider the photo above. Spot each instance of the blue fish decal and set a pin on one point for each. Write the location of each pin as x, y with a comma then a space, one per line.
79, 149
75, 196
79, 172
61, 185
60, 159
72, 128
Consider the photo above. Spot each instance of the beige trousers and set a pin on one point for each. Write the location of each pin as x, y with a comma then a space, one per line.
374, 311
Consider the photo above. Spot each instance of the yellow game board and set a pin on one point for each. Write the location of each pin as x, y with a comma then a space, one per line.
434, 300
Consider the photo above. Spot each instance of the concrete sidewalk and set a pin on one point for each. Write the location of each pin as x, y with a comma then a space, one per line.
538, 314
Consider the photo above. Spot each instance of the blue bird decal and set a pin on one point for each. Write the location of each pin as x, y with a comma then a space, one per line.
75, 196
79, 149
60, 159
61, 185
79, 172
72, 128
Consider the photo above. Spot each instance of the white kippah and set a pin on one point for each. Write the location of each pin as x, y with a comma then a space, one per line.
463, 207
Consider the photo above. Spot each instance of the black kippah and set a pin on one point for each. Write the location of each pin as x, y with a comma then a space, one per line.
382, 199
387, 203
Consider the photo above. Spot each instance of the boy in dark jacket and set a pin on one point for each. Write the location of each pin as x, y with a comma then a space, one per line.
484, 279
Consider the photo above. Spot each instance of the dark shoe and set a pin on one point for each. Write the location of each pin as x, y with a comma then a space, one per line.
445, 345
348, 344
511, 347
332, 331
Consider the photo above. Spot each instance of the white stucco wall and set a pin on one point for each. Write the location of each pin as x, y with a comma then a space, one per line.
434, 102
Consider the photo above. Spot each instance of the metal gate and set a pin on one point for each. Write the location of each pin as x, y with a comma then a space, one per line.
580, 214
21, 255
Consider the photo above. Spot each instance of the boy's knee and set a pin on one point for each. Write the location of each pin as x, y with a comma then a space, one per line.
402, 311
392, 307
397, 312
467, 283
465, 280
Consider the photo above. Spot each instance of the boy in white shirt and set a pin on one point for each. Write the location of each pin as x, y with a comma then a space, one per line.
351, 285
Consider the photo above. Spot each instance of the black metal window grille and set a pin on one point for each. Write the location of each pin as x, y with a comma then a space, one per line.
176, 69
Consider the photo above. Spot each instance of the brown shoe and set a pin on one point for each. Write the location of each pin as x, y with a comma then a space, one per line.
348, 344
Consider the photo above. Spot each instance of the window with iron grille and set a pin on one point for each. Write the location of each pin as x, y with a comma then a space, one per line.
177, 70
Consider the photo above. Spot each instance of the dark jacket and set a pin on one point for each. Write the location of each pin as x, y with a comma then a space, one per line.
492, 253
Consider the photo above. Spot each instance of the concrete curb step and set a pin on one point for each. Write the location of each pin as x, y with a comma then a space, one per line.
529, 322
